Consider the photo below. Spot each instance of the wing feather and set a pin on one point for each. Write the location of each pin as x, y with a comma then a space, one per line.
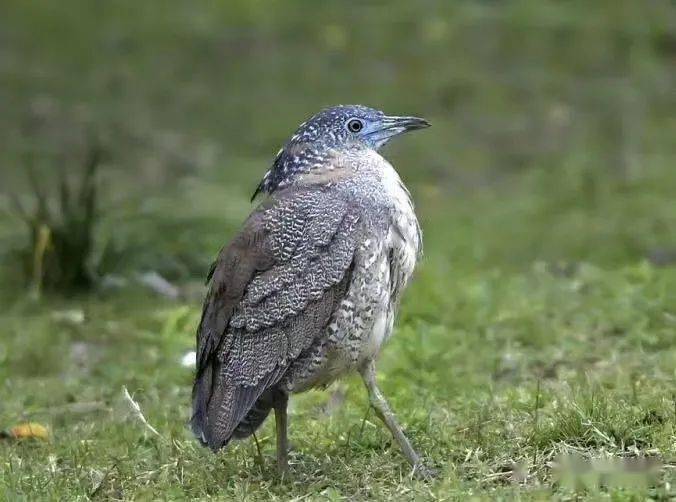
272, 292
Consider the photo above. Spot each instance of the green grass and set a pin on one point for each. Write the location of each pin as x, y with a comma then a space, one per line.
539, 329
496, 371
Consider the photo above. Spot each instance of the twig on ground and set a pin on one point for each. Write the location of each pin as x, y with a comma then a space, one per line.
136, 409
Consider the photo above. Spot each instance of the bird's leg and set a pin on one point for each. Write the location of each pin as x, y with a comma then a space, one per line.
382, 409
281, 399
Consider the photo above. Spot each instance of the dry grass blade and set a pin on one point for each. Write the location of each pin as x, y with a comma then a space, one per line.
138, 414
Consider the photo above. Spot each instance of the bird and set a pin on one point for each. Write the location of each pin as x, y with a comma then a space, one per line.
309, 288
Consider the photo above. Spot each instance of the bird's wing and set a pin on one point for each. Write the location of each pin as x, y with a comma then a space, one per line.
273, 290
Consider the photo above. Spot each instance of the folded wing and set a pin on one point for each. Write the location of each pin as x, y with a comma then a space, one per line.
272, 293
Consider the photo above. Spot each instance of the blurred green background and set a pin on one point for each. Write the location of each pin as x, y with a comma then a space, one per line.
562, 113
549, 172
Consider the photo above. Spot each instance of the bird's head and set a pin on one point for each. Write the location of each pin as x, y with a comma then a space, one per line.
353, 126
335, 129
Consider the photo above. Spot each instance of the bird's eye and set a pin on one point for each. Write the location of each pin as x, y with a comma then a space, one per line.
355, 125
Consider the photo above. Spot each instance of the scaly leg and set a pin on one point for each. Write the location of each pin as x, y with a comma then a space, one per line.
281, 399
382, 409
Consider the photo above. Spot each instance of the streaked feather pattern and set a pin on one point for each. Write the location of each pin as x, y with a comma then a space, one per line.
272, 292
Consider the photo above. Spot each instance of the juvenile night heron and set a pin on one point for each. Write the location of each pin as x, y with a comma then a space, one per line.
308, 290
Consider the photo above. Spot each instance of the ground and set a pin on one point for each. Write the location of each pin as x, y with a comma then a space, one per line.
535, 351
497, 373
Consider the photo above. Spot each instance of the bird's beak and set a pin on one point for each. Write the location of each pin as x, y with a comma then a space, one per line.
392, 126
404, 124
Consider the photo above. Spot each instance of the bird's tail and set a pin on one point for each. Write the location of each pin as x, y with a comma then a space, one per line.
256, 416
226, 410
201, 392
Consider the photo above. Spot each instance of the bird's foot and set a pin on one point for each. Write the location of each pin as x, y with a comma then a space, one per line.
283, 471
424, 473
283, 465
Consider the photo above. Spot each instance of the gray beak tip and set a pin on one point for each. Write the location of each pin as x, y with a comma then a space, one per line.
412, 123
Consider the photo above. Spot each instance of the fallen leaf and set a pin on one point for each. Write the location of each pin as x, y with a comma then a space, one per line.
27, 430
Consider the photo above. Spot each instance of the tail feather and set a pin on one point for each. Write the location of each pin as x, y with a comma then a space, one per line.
201, 392
225, 410
256, 416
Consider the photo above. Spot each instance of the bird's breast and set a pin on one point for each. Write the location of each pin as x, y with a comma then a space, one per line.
393, 257
404, 235
383, 264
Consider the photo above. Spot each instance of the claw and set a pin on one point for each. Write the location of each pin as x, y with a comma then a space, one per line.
424, 473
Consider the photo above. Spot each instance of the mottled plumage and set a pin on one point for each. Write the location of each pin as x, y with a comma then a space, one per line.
308, 289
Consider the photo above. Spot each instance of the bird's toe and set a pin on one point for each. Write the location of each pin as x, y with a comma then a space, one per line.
424, 472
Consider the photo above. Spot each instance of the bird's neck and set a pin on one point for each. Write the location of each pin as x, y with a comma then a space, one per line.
304, 163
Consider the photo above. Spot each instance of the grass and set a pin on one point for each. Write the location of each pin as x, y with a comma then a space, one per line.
496, 371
